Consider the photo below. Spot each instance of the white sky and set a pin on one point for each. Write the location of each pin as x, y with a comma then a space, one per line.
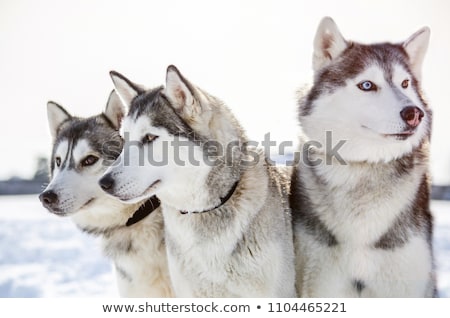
251, 54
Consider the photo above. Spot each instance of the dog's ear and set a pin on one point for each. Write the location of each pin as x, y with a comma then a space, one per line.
126, 89
180, 92
56, 115
328, 43
416, 46
114, 109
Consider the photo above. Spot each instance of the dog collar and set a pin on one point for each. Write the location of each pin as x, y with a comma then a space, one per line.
222, 200
144, 210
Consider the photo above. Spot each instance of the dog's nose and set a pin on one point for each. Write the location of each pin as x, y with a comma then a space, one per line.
48, 197
106, 183
412, 115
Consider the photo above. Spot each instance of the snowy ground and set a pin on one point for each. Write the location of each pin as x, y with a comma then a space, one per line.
42, 255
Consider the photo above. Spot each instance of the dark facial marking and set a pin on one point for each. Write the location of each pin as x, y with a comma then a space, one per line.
102, 138
355, 58
157, 107
359, 285
302, 213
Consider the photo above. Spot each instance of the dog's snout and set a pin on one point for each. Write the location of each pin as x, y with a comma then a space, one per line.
412, 115
106, 183
48, 198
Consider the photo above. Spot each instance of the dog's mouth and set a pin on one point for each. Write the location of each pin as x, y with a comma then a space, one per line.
58, 212
401, 136
151, 187
146, 193
398, 136
61, 212
87, 203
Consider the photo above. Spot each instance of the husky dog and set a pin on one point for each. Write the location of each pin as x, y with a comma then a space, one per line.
360, 201
227, 219
132, 235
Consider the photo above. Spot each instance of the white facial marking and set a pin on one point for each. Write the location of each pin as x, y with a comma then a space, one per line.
162, 164
61, 154
368, 121
81, 151
75, 189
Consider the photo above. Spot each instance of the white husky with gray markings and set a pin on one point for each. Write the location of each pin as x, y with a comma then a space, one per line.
228, 224
362, 221
132, 235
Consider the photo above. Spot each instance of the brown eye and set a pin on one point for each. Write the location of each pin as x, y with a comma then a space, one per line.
58, 161
405, 83
148, 138
89, 161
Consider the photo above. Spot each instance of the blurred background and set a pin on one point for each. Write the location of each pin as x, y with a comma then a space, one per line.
253, 55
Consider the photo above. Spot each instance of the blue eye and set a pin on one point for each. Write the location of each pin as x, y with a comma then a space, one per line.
367, 86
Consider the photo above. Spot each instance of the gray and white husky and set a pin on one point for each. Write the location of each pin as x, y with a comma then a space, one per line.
360, 199
227, 220
132, 235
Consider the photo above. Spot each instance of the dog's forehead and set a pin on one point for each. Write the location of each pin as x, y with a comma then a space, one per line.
360, 57
133, 128
378, 74
145, 102
61, 148
78, 128
81, 149
153, 109
373, 73
94, 131
357, 59
399, 72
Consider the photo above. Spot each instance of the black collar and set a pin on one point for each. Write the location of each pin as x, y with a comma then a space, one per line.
144, 210
222, 200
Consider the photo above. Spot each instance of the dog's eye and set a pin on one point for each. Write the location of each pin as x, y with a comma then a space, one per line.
148, 138
405, 83
58, 161
89, 161
367, 86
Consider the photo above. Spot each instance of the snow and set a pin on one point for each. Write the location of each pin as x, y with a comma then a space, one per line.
441, 212
43, 255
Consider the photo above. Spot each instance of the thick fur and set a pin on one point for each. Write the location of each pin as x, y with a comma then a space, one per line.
138, 251
238, 247
362, 222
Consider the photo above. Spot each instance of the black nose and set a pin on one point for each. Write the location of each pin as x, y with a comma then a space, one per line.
106, 183
48, 197
412, 115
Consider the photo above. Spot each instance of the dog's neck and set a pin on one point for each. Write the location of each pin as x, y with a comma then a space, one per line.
144, 210
223, 200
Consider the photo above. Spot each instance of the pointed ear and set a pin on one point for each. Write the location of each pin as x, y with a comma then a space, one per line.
180, 92
416, 47
56, 115
125, 89
114, 110
328, 43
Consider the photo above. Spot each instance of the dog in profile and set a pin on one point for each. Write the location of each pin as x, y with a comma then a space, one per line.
132, 234
227, 219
